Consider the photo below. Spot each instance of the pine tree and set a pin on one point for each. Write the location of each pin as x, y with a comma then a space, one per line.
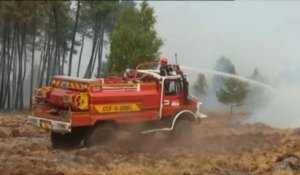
233, 93
200, 86
135, 39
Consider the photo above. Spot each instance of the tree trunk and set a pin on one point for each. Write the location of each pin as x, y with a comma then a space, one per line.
94, 60
20, 47
79, 61
9, 57
2, 65
5, 54
49, 62
12, 68
59, 69
95, 41
100, 54
42, 56
16, 99
63, 60
54, 68
32, 54
45, 61
73, 38
24, 68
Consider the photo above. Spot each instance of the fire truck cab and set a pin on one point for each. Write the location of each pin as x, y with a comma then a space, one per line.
79, 110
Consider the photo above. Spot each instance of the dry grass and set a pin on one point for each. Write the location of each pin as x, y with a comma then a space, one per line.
221, 145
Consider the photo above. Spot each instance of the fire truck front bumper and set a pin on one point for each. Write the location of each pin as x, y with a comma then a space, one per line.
200, 115
52, 125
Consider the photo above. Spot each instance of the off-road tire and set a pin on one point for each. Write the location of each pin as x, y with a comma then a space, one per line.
56, 140
102, 133
182, 131
67, 140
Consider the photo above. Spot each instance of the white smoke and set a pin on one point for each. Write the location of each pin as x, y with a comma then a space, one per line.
210, 101
284, 109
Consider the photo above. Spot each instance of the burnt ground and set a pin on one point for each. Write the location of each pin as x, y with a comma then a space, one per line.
220, 145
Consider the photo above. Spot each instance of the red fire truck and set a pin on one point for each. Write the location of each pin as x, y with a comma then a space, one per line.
90, 111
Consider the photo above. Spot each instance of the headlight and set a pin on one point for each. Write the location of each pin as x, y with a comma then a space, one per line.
42, 93
67, 99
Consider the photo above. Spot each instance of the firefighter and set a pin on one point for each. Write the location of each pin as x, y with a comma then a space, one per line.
165, 69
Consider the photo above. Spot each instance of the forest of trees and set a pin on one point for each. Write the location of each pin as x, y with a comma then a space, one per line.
38, 40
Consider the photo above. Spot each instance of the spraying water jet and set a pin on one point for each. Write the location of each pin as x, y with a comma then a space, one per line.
223, 74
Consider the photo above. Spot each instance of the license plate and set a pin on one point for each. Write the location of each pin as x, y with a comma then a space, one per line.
45, 124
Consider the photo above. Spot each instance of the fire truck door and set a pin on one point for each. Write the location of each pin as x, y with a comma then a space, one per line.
172, 99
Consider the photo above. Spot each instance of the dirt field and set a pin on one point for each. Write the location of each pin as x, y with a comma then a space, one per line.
221, 145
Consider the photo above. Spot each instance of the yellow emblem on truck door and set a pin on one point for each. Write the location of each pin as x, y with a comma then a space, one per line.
112, 108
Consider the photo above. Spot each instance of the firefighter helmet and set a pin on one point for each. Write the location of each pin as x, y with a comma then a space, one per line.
163, 60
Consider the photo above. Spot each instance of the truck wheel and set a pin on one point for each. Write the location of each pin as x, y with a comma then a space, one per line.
101, 133
67, 140
56, 140
182, 130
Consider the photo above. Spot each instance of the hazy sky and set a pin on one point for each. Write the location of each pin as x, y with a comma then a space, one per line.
263, 34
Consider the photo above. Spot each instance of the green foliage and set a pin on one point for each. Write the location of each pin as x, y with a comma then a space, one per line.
223, 64
200, 86
134, 40
233, 93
